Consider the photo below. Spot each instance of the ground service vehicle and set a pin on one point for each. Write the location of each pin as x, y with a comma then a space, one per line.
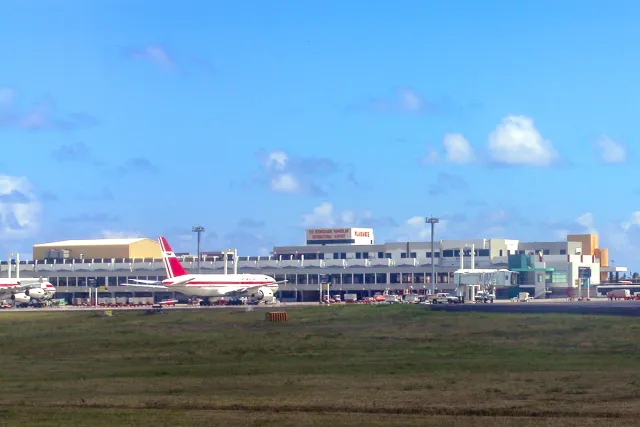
484, 297
445, 298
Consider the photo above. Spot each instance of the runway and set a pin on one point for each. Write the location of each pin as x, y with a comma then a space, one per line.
597, 307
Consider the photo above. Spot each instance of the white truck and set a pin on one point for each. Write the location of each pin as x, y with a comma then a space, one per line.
392, 299
619, 293
411, 299
350, 298
445, 298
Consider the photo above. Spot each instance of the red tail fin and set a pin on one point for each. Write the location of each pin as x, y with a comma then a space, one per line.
171, 261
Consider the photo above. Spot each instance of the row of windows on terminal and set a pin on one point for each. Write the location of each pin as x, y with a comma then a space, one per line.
448, 253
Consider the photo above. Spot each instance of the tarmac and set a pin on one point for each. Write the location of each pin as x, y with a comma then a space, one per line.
598, 306
73, 309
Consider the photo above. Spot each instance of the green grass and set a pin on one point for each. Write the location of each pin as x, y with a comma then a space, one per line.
354, 365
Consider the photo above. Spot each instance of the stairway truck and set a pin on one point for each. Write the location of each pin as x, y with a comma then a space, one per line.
350, 297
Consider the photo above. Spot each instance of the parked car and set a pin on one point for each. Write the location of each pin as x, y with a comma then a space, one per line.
445, 298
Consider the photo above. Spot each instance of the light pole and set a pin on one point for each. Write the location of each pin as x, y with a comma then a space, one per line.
433, 221
198, 229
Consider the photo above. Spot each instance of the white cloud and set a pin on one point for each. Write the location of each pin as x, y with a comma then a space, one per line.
416, 229
20, 210
633, 221
409, 100
431, 157
415, 221
320, 216
611, 151
457, 149
404, 100
587, 220
324, 215
154, 53
275, 163
295, 174
285, 183
116, 234
622, 240
516, 141
277, 160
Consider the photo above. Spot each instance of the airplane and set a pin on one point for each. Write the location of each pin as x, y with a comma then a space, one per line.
37, 290
208, 286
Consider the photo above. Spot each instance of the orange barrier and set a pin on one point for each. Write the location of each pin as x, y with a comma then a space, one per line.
277, 316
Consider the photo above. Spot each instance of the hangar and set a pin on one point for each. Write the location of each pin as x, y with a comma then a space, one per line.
98, 248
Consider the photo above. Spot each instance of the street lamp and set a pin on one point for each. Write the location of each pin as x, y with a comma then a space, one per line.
198, 229
433, 221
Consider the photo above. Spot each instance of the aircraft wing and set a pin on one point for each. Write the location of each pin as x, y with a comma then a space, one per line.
145, 286
156, 284
25, 283
148, 282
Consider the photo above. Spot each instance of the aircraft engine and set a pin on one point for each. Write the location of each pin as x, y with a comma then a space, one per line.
37, 293
21, 298
263, 294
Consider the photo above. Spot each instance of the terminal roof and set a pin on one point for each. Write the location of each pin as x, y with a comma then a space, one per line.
91, 242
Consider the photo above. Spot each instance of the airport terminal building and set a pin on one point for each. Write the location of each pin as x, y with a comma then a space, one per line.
347, 258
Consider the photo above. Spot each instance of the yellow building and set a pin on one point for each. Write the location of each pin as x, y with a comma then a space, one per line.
589, 242
98, 248
590, 247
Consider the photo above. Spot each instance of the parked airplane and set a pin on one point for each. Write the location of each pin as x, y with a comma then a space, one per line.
206, 286
35, 290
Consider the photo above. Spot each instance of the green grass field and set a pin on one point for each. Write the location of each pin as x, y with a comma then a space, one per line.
355, 365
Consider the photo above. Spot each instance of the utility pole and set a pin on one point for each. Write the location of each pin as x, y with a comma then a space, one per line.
198, 229
433, 221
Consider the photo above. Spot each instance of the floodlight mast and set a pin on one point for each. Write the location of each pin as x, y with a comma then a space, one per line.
199, 230
433, 221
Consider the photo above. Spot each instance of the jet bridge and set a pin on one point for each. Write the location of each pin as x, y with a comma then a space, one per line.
472, 280
469, 281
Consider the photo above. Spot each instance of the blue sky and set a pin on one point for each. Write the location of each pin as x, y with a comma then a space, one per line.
257, 119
